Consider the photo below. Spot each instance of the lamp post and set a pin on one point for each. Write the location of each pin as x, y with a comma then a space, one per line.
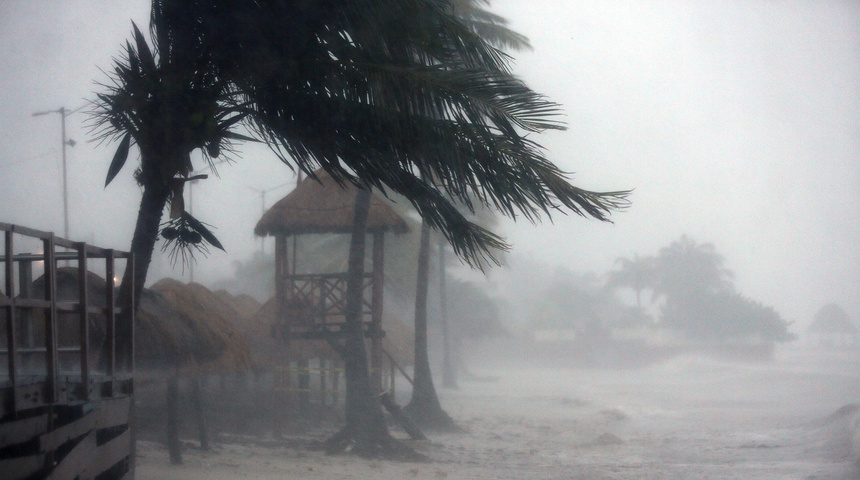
63, 114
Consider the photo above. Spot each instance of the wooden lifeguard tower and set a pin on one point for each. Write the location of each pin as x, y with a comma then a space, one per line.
311, 306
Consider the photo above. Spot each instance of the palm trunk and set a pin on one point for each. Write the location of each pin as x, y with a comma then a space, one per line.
449, 369
152, 204
365, 430
424, 408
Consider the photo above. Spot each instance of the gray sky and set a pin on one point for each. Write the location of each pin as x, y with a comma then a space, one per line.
737, 123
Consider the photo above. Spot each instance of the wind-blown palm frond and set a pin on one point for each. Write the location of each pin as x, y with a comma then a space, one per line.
489, 26
376, 92
428, 99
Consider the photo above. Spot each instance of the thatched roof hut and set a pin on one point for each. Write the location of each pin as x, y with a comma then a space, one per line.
201, 330
171, 329
68, 333
324, 207
832, 327
244, 305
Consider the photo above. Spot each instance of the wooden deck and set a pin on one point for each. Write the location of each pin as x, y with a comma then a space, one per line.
65, 405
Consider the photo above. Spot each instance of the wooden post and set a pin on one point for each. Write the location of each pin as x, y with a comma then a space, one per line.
323, 377
84, 318
11, 314
304, 385
25, 315
173, 445
281, 394
51, 350
335, 382
199, 411
110, 328
378, 279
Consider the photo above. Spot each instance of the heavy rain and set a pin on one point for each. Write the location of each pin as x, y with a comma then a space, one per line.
689, 309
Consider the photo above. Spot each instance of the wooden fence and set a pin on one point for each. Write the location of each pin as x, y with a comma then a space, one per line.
66, 382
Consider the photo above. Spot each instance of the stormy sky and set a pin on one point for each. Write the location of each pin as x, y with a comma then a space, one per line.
735, 122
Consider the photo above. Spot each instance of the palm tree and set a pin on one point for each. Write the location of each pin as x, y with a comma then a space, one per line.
380, 94
636, 273
424, 407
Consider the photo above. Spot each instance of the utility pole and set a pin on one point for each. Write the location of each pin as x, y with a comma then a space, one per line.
63, 114
263, 207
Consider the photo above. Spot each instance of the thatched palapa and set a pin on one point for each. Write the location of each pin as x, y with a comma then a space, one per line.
199, 323
324, 207
173, 328
244, 305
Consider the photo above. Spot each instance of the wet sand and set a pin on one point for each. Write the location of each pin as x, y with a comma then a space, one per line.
687, 418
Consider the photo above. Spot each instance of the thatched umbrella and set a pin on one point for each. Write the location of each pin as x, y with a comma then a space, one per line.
832, 327
201, 330
167, 337
244, 305
190, 327
31, 323
67, 290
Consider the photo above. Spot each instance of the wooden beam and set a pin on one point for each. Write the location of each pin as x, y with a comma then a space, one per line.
77, 460
51, 356
19, 431
84, 317
23, 467
11, 314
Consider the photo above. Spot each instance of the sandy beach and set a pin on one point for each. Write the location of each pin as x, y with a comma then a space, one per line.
686, 418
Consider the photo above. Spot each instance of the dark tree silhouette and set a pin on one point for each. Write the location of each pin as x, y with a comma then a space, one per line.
700, 299
380, 94
637, 274
424, 407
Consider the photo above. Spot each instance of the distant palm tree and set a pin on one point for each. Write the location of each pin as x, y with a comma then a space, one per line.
636, 273
381, 94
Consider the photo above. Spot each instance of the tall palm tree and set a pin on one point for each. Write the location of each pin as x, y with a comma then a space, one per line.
424, 408
380, 94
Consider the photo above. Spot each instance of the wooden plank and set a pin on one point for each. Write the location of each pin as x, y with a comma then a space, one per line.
51, 343
19, 431
22, 467
32, 303
110, 303
404, 421
76, 461
11, 314
30, 232
113, 412
84, 326
128, 316
52, 440
31, 396
108, 455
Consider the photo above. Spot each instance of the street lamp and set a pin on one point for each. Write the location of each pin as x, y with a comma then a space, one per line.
63, 114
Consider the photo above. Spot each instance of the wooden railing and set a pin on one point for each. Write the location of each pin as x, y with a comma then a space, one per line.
315, 305
65, 388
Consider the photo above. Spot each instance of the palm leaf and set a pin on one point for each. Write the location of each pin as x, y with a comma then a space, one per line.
119, 158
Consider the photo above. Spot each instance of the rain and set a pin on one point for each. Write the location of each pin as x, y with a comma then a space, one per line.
710, 329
